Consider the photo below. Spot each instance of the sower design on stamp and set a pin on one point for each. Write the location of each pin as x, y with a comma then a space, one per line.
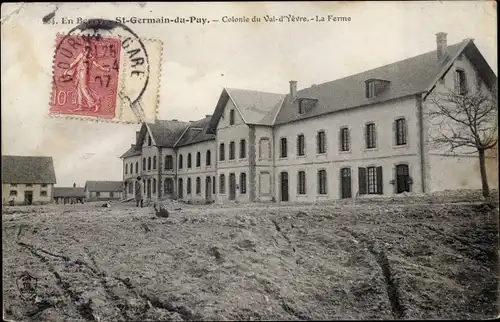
86, 76
103, 71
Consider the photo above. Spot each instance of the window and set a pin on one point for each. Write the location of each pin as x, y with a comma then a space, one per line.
126, 168
143, 164
370, 180
198, 159
222, 184
29, 185
231, 117
137, 167
243, 149
222, 152
302, 107
301, 183
13, 185
283, 146
44, 185
198, 185
97, 194
13, 193
189, 160
180, 161
149, 140
208, 158
370, 89
130, 188
370, 136
188, 187
460, 82
322, 182
111, 194
213, 184
321, 142
344, 139
144, 185
154, 185
231, 150
154, 162
169, 186
301, 151
149, 163
243, 183
400, 131
169, 162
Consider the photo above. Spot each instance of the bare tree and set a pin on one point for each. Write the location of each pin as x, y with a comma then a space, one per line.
465, 121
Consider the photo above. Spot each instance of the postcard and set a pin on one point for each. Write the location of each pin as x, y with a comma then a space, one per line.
249, 160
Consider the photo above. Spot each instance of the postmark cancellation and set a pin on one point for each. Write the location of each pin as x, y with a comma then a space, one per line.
105, 78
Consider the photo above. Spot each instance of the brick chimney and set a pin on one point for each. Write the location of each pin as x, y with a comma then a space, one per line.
442, 46
293, 89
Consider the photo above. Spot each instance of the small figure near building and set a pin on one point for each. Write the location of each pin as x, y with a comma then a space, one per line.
139, 193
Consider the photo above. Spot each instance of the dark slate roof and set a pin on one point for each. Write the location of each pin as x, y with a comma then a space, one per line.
255, 107
196, 132
27, 169
165, 132
69, 192
133, 150
104, 186
407, 77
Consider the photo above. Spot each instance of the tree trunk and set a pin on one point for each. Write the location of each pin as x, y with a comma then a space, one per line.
484, 179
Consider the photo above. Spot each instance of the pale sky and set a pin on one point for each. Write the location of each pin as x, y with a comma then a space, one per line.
199, 60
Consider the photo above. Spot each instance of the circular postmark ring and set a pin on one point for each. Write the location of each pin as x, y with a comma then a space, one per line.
97, 30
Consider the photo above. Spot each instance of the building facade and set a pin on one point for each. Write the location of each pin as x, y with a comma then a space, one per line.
364, 134
103, 190
27, 180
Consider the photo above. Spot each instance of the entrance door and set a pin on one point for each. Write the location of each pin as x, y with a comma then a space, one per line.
284, 186
402, 178
180, 191
149, 189
232, 186
28, 197
208, 188
345, 183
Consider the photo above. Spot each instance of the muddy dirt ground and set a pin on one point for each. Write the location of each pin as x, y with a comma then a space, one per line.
380, 260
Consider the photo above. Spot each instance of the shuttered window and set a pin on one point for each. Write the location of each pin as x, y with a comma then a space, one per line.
222, 184
232, 153
301, 182
370, 136
198, 185
198, 159
321, 142
222, 152
301, 151
344, 139
243, 149
243, 183
400, 131
322, 182
283, 148
370, 180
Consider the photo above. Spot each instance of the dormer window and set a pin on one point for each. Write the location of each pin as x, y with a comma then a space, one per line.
149, 140
374, 87
305, 104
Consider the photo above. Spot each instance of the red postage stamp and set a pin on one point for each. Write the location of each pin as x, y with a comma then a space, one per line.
86, 76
